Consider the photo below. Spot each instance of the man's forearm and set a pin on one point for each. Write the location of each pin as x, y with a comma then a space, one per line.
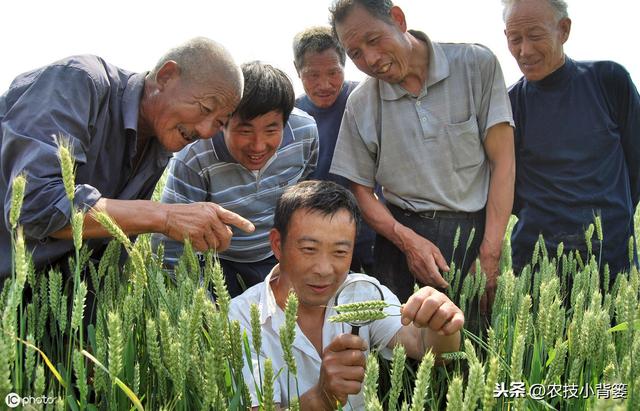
378, 216
133, 217
498, 211
439, 344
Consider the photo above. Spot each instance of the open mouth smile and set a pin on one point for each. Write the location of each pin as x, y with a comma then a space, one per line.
383, 69
256, 158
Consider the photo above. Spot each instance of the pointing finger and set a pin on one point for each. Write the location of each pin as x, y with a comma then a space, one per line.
236, 220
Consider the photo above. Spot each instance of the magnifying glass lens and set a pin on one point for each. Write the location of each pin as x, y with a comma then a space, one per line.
358, 291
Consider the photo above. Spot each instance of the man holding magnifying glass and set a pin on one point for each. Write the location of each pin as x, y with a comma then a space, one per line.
314, 232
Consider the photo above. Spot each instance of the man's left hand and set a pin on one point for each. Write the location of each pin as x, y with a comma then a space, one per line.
429, 308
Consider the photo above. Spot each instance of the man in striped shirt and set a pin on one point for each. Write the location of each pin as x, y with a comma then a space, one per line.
266, 146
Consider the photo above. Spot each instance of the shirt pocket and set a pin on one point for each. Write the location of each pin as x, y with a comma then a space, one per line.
464, 143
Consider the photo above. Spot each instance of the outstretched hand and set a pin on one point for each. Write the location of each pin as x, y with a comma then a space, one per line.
206, 225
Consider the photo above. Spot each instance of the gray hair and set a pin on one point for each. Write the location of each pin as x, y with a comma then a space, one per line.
203, 61
315, 39
559, 8
340, 9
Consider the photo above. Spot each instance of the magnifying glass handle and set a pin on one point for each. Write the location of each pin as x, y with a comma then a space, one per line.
355, 329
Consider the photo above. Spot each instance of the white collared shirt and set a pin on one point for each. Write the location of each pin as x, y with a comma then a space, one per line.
377, 334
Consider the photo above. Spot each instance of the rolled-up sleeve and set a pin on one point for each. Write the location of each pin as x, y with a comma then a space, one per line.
493, 106
352, 157
61, 102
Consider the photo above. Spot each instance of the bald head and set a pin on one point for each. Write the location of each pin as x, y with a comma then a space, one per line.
204, 62
190, 94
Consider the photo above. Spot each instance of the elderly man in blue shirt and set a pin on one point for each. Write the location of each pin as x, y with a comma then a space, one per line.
121, 127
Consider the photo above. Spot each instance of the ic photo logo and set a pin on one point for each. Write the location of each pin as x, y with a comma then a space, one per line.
13, 400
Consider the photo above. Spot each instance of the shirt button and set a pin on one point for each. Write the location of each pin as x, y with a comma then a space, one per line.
423, 119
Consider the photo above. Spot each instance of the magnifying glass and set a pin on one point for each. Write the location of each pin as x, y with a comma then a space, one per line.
358, 291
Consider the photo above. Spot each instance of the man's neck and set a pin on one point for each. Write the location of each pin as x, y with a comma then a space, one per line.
146, 101
418, 66
311, 322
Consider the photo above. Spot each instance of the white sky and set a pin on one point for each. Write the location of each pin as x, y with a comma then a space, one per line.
133, 34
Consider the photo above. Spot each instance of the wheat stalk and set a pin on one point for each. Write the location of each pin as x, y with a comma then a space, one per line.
17, 196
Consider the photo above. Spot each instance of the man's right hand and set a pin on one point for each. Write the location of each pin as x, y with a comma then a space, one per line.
342, 369
206, 225
423, 257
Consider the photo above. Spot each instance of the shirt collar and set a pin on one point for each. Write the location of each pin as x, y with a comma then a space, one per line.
270, 311
437, 71
220, 147
131, 101
560, 77
131, 96
269, 306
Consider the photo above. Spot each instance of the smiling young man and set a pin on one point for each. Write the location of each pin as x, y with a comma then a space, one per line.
432, 125
121, 128
577, 139
265, 146
313, 236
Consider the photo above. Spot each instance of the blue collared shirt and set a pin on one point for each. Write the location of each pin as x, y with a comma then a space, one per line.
93, 105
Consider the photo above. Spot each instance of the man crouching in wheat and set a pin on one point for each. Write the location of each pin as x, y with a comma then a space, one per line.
313, 236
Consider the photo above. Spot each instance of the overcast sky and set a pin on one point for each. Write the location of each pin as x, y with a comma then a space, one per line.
133, 34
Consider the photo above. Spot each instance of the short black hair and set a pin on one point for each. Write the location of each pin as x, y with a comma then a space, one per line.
340, 9
315, 39
266, 89
325, 197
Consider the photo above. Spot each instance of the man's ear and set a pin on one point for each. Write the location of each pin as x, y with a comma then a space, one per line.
565, 28
276, 242
397, 15
168, 71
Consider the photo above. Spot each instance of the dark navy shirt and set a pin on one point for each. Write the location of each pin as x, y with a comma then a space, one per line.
328, 121
93, 105
577, 154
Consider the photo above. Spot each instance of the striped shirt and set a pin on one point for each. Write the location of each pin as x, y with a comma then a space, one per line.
206, 171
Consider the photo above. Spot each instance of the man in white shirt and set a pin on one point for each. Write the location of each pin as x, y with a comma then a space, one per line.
315, 225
